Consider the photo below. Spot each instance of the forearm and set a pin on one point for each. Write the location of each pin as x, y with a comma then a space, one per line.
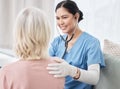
63, 69
90, 76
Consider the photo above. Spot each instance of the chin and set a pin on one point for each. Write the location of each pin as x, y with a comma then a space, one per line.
64, 32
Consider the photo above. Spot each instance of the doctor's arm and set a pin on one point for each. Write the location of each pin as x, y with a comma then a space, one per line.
63, 69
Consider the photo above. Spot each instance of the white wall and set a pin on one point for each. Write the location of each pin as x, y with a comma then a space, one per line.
8, 12
101, 18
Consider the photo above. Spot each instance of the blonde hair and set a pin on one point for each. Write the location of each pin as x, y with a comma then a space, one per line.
32, 34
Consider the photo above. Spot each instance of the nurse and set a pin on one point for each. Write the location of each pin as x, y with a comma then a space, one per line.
80, 56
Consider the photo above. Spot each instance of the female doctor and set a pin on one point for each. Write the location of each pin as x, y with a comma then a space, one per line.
80, 56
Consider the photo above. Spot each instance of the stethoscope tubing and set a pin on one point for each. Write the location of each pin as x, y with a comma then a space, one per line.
65, 40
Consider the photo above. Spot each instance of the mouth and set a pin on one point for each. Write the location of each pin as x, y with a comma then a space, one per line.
62, 27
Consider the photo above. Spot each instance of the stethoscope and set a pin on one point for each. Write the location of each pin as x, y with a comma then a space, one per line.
66, 41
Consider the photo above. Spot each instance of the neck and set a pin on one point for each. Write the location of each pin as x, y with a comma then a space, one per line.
77, 32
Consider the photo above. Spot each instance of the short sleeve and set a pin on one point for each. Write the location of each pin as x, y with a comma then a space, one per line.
94, 55
54, 46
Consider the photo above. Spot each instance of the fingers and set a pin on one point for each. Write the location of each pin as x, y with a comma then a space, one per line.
53, 67
58, 60
59, 76
55, 72
57, 69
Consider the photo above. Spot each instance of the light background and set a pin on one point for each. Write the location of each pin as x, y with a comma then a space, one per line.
101, 18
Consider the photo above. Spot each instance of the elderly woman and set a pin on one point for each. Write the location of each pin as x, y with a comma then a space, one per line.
32, 35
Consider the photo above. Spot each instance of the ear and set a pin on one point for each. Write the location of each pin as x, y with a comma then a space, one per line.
77, 16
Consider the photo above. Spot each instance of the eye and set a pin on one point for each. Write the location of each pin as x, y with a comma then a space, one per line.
57, 18
64, 17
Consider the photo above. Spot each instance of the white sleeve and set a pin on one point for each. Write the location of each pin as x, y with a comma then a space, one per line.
90, 76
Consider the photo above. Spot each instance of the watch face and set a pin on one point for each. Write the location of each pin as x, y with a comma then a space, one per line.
77, 74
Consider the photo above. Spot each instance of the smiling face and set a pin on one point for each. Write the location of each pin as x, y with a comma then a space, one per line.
65, 20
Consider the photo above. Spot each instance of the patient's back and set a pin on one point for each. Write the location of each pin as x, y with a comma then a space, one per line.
29, 75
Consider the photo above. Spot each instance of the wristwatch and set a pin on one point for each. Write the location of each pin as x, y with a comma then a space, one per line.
77, 76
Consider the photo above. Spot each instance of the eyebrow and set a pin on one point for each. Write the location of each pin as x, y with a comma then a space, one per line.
61, 16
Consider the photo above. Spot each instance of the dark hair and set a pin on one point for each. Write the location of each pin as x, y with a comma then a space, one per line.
71, 6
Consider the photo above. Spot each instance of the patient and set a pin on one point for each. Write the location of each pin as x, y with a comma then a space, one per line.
32, 35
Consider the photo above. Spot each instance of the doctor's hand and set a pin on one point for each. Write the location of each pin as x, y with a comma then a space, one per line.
61, 68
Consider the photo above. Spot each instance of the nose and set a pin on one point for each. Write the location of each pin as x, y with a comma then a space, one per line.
61, 22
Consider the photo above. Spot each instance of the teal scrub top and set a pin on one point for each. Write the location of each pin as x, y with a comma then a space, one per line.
84, 52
